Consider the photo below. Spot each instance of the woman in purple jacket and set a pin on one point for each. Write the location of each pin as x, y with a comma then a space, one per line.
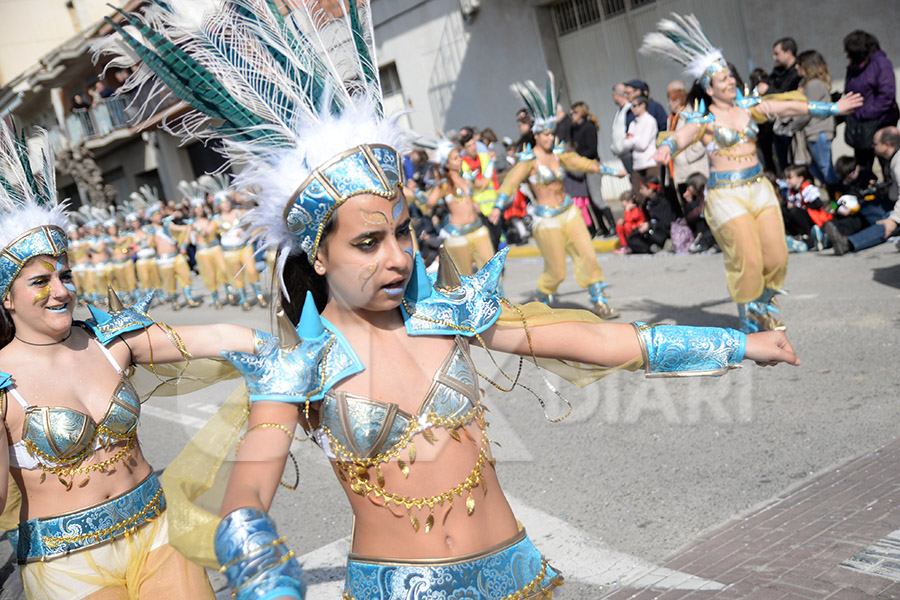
870, 73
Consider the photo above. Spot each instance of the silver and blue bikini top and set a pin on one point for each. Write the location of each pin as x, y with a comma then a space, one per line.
546, 175
364, 428
54, 436
726, 137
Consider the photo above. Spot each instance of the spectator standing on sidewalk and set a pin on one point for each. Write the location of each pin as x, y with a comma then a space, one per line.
619, 127
641, 141
783, 78
870, 73
816, 132
584, 138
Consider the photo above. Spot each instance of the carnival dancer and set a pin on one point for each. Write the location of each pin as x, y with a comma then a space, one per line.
204, 233
100, 248
78, 254
329, 182
741, 207
466, 238
174, 272
558, 226
146, 202
93, 514
240, 260
123, 276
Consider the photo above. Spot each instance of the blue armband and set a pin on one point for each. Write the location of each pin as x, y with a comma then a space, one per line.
501, 201
822, 110
605, 170
255, 560
671, 143
107, 326
673, 351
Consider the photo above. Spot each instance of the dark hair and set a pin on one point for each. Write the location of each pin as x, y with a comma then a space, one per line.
7, 327
889, 136
787, 45
488, 136
860, 45
844, 166
758, 76
650, 180
801, 170
738, 80
639, 100
300, 277
465, 139
696, 181
814, 67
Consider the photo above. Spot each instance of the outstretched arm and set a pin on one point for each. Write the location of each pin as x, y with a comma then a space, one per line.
160, 343
511, 182
672, 144
614, 344
794, 108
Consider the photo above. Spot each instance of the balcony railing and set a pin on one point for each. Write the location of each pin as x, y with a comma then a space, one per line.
98, 121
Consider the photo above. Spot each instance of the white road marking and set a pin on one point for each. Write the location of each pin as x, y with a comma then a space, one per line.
174, 417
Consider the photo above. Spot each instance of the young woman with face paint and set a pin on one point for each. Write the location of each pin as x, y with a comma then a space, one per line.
374, 356
741, 207
92, 521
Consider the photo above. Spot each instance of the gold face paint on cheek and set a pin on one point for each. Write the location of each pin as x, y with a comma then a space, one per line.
366, 273
373, 217
42, 294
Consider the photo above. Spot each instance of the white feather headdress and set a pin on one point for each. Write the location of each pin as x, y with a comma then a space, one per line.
296, 97
683, 40
32, 221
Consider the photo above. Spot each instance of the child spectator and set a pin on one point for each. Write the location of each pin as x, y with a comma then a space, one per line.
694, 202
634, 217
858, 189
650, 236
804, 211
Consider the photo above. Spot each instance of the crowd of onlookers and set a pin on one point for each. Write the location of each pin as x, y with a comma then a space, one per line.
826, 202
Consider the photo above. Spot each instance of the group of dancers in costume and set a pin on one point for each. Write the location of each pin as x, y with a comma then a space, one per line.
138, 249
357, 308
742, 209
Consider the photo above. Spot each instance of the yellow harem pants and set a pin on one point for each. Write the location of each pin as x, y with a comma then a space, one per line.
240, 266
211, 264
141, 566
746, 221
101, 276
174, 271
563, 234
124, 277
475, 246
148, 273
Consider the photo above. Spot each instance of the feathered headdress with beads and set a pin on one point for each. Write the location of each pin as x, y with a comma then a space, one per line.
541, 104
292, 88
683, 40
32, 220
217, 185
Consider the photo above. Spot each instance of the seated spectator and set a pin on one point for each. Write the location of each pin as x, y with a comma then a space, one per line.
634, 216
694, 201
887, 144
804, 211
650, 236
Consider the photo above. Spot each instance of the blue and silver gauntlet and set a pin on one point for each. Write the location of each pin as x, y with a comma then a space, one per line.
674, 351
501, 201
699, 115
107, 326
255, 560
822, 110
671, 143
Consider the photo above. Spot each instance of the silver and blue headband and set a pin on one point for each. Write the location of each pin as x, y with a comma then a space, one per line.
714, 67
365, 169
46, 240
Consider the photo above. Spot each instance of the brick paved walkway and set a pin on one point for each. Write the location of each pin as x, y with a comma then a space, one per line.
792, 548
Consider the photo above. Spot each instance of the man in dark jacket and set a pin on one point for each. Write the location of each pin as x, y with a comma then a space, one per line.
635, 88
783, 78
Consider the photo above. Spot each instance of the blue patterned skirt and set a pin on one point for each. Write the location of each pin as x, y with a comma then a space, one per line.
512, 570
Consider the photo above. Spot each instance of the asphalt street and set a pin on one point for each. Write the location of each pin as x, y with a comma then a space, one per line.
641, 467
